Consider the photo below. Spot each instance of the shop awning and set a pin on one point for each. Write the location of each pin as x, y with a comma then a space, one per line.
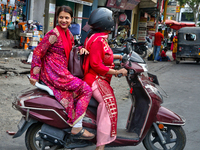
123, 4
177, 25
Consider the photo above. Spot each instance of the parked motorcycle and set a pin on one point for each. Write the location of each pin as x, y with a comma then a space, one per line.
44, 118
139, 47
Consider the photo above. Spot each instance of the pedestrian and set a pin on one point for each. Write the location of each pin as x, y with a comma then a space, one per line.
157, 43
171, 39
49, 64
98, 70
175, 44
164, 56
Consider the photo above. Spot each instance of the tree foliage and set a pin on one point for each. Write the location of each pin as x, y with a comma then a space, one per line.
194, 5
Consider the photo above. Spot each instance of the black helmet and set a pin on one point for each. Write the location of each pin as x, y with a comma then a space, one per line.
101, 19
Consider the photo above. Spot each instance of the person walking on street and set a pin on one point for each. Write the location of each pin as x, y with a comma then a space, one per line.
157, 43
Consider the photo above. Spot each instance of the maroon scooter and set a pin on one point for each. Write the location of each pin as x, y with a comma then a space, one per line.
44, 118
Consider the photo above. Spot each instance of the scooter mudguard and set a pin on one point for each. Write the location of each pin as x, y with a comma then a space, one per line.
166, 116
23, 126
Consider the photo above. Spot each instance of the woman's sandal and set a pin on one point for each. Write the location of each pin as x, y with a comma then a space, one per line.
81, 136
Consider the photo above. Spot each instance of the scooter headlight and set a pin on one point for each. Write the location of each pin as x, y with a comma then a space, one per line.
155, 91
144, 66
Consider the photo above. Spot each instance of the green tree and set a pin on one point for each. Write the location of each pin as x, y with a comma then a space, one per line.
194, 5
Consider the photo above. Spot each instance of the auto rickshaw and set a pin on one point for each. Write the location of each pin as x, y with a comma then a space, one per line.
188, 44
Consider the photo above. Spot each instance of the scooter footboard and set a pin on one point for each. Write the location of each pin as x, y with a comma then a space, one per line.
166, 116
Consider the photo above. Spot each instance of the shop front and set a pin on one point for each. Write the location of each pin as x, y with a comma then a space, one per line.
125, 13
146, 20
12, 12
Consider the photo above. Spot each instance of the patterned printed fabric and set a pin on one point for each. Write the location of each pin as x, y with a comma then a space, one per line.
101, 54
73, 93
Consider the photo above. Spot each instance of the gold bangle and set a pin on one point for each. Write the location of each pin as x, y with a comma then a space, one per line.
116, 72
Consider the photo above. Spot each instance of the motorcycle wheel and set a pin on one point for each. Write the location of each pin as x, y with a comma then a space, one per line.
142, 52
174, 136
34, 142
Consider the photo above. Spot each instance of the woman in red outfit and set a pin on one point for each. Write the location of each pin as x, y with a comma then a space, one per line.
49, 64
98, 70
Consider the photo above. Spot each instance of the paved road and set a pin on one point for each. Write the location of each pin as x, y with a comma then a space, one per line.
180, 82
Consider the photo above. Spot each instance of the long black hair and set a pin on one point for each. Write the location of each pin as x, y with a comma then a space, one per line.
93, 31
66, 9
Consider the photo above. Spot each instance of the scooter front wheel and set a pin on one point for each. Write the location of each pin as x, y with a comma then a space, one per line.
174, 136
33, 140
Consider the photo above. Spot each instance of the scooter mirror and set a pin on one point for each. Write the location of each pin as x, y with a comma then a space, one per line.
124, 58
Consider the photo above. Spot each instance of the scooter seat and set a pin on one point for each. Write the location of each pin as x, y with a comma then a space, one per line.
93, 103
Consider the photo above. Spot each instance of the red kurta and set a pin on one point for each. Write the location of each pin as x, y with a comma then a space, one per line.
96, 65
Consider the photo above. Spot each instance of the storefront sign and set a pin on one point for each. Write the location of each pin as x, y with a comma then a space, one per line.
122, 17
84, 2
171, 10
142, 29
177, 9
123, 4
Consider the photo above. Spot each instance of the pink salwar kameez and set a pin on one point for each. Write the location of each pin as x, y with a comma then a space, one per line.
102, 119
50, 55
96, 65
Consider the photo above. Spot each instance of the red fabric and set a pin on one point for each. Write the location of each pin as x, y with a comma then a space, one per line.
158, 38
93, 63
65, 37
96, 65
177, 25
70, 91
109, 99
174, 56
163, 54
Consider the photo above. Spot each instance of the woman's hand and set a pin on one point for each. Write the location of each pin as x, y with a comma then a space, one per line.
84, 51
33, 81
118, 57
122, 71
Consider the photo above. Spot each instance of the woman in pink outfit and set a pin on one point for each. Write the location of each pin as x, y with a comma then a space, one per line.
50, 64
98, 71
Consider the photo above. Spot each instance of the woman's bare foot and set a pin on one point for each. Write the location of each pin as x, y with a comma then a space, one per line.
77, 130
100, 147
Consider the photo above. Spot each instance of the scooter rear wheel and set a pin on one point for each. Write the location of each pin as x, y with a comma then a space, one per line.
34, 142
174, 136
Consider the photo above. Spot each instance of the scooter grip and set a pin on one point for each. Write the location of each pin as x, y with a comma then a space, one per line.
119, 75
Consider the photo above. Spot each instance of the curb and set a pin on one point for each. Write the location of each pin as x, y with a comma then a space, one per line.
10, 52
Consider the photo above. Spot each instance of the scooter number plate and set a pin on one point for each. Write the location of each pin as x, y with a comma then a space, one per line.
21, 123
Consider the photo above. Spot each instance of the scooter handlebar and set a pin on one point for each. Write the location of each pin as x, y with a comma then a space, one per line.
119, 75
